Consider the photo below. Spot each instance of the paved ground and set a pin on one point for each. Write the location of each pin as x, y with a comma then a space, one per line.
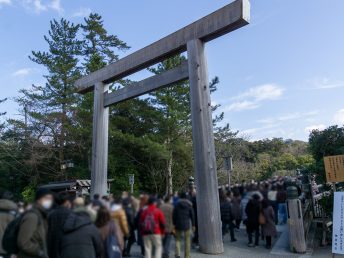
239, 249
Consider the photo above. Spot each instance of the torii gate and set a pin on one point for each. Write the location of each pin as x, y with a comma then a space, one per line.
191, 39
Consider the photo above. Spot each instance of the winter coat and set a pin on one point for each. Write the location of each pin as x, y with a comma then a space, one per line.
167, 210
129, 212
118, 214
226, 211
81, 237
269, 228
8, 210
159, 220
32, 234
281, 196
236, 208
104, 234
183, 214
56, 221
252, 211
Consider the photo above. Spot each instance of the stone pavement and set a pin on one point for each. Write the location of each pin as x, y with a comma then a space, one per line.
239, 249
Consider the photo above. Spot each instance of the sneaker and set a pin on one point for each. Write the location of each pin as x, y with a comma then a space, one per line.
251, 245
234, 240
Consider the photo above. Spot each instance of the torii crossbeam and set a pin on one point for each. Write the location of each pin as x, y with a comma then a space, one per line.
191, 39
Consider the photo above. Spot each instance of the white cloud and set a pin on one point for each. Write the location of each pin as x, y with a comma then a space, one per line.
289, 117
82, 12
22, 72
325, 83
339, 117
5, 2
262, 92
315, 127
56, 5
241, 105
39, 6
252, 98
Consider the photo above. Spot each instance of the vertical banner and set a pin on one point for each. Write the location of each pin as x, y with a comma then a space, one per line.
338, 223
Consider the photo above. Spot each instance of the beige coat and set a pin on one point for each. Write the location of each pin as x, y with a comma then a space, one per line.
167, 210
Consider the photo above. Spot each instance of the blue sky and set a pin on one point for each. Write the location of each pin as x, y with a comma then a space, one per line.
280, 76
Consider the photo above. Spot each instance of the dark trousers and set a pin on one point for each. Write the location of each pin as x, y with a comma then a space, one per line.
237, 223
228, 225
253, 230
166, 244
268, 241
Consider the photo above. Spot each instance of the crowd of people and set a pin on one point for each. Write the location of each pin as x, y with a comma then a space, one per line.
58, 225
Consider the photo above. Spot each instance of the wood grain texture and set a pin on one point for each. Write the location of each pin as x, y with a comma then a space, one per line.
208, 207
99, 142
150, 84
216, 24
297, 238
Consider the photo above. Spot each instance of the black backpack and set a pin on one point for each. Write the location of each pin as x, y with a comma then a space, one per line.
9, 240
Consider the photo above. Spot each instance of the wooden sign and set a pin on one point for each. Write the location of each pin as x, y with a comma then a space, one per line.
334, 167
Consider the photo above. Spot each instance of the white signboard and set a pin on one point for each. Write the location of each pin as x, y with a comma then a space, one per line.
131, 179
338, 223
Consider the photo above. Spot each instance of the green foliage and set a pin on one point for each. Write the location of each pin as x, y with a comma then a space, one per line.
28, 194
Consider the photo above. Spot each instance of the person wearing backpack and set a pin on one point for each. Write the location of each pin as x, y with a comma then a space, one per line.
8, 211
152, 225
111, 235
183, 219
32, 233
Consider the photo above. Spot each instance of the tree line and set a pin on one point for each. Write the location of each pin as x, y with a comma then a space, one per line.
150, 136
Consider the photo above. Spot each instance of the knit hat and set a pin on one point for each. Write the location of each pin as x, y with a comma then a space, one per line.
41, 192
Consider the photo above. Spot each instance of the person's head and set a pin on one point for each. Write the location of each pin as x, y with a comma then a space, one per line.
64, 199
152, 200
255, 197
103, 217
143, 200
96, 197
79, 202
167, 199
222, 195
182, 195
44, 198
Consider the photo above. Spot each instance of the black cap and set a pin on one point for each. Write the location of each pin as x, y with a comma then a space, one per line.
41, 192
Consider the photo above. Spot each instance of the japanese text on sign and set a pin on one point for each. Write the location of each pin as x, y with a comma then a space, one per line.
334, 167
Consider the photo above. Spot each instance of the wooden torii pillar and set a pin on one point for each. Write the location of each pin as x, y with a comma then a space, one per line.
191, 39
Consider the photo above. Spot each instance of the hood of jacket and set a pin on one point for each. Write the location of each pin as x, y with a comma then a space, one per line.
76, 221
184, 203
7, 205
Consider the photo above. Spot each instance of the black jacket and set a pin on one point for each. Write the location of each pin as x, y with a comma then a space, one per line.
252, 211
81, 237
226, 211
183, 214
56, 221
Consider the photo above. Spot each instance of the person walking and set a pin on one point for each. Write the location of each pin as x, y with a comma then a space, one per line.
152, 225
236, 207
8, 211
118, 214
110, 234
56, 220
272, 197
269, 227
252, 225
32, 235
183, 219
281, 198
143, 205
81, 237
167, 210
130, 215
226, 216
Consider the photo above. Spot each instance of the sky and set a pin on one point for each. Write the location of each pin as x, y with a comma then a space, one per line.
280, 76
